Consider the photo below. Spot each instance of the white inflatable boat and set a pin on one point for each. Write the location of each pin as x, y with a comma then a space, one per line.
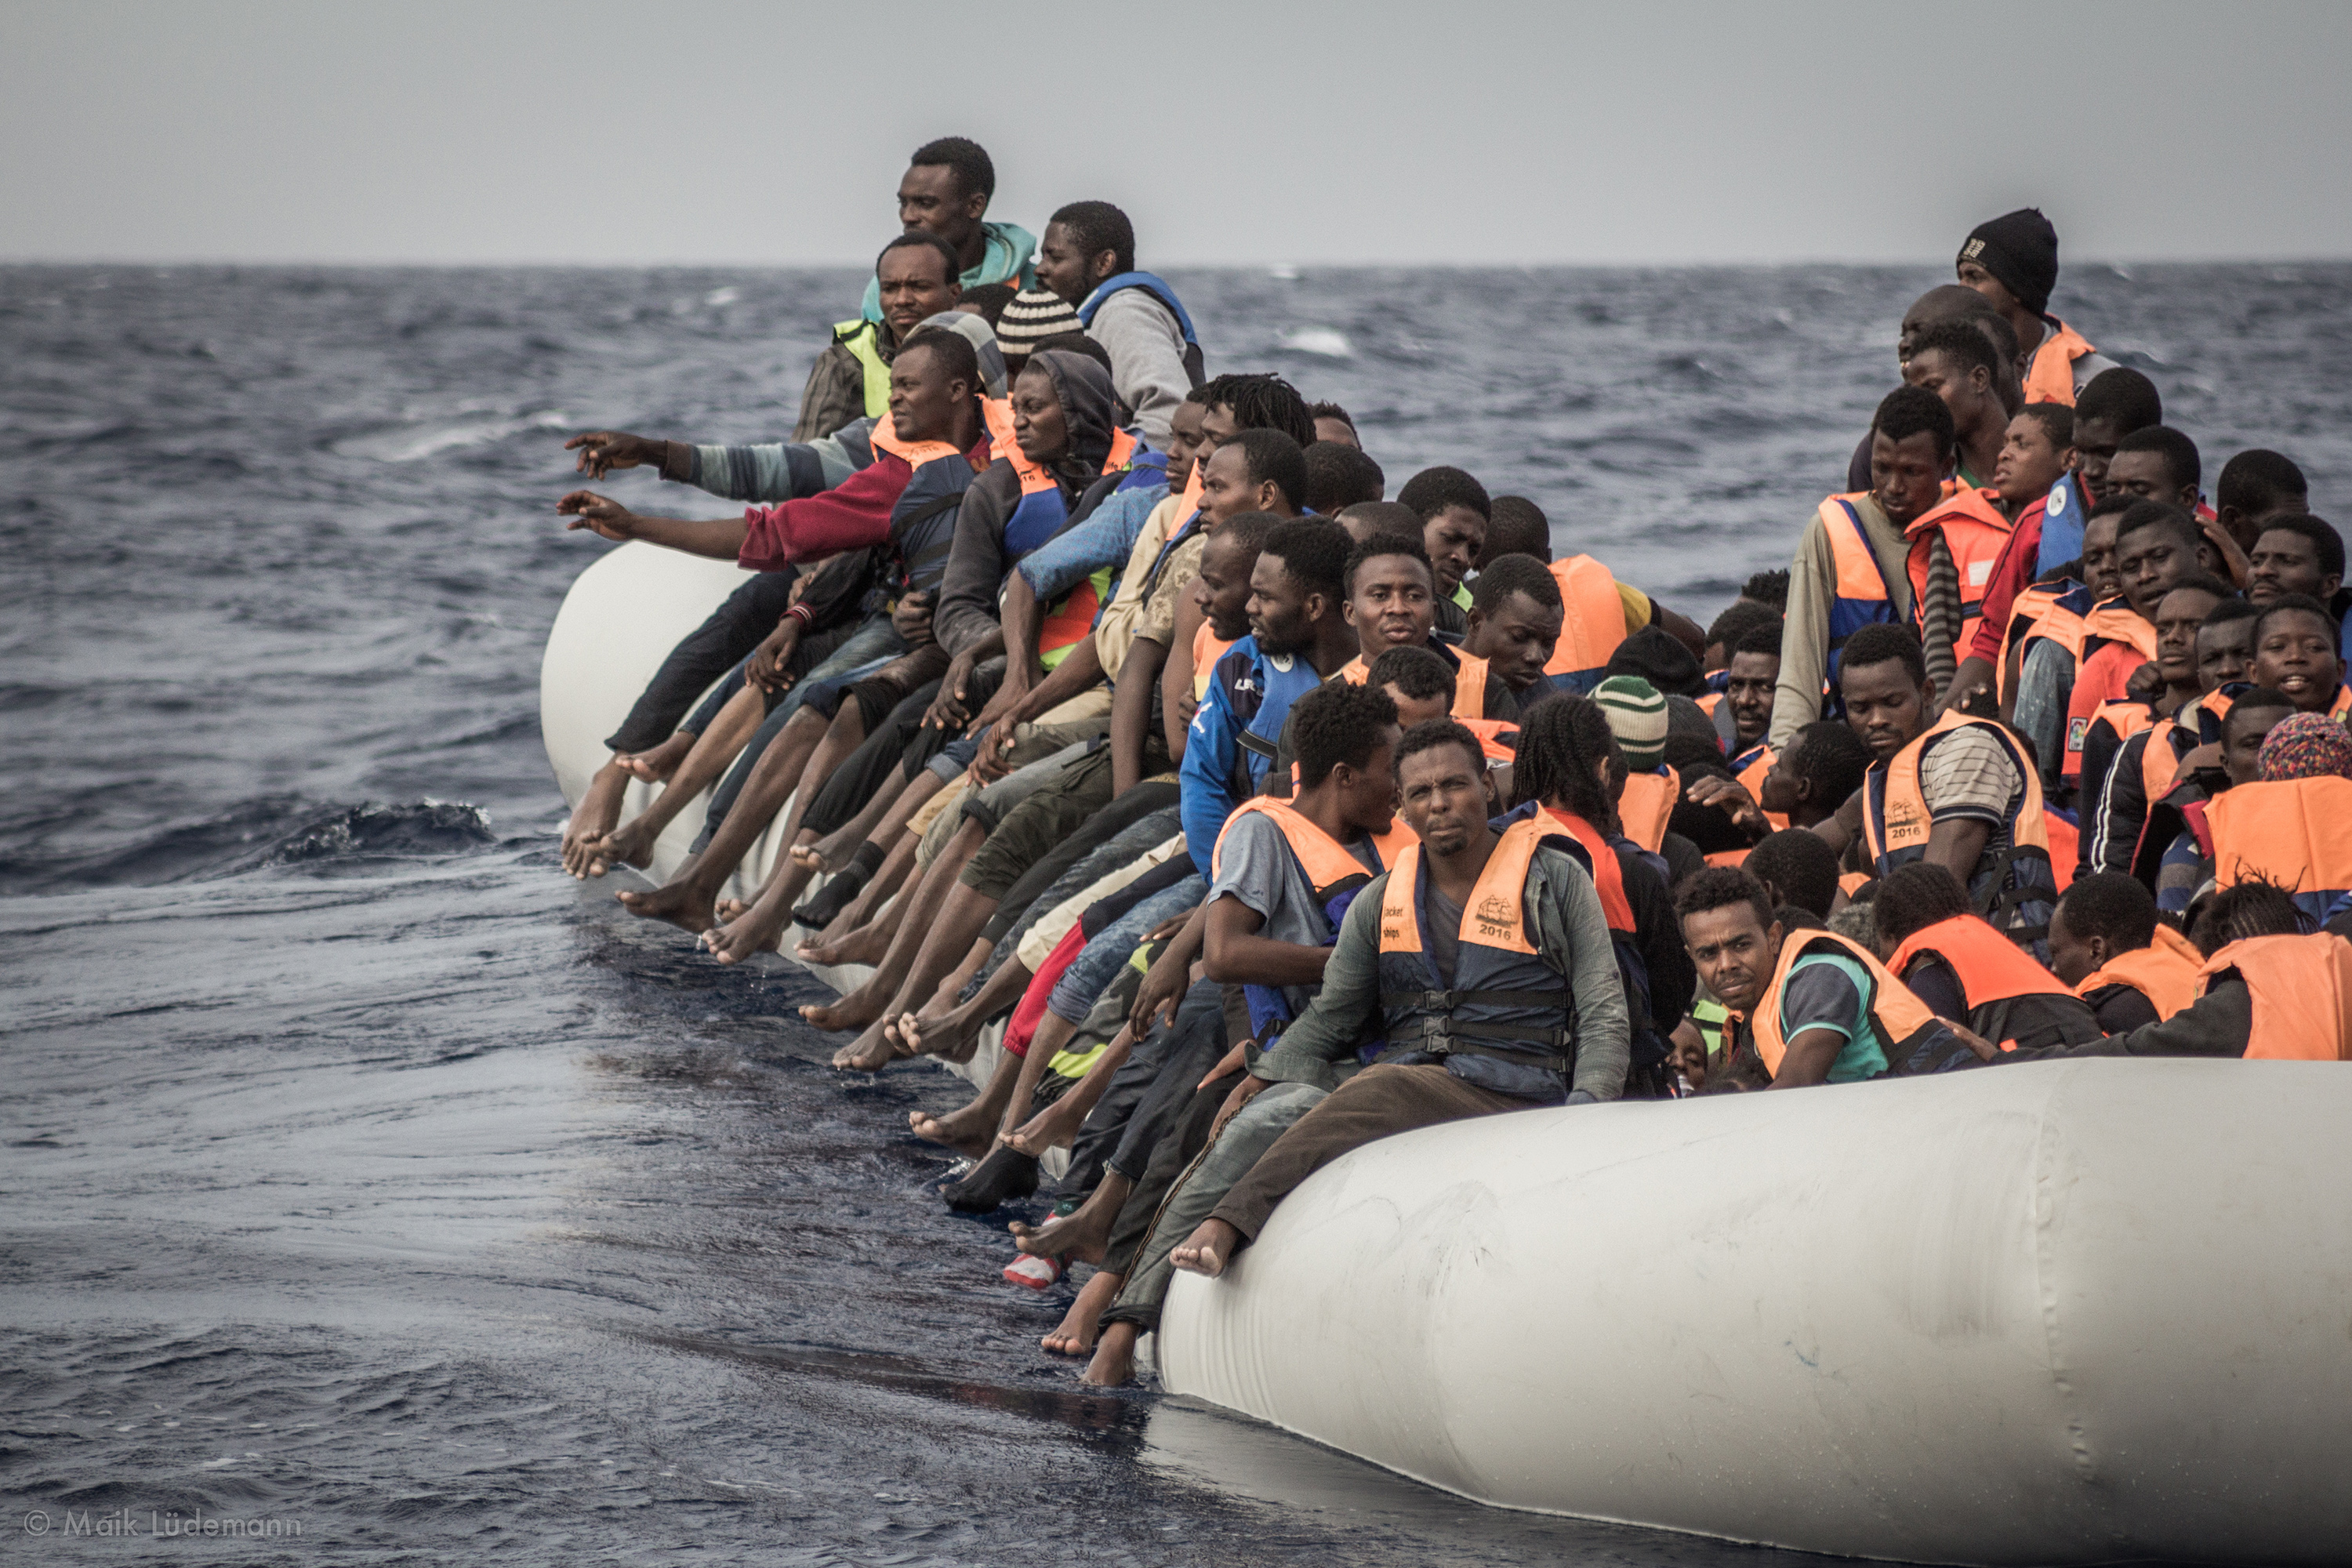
2074, 1313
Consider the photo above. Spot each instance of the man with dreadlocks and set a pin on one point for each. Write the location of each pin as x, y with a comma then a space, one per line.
1484, 960
1565, 751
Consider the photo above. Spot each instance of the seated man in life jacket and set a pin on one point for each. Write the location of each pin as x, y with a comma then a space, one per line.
1960, 792
2158, 548
2151, 764
1569, 769
1742, 706
1286, 875
1956, 361
2175, 858
919, 276
1807, 1006
892, 485
2058, 622
2012, 261
2266, 990
1914, 549
2180, 615
1454, 511
1967, 972
1948, 303
1486, 963
1799, 873
1300, 637
1087, 257
2107, 942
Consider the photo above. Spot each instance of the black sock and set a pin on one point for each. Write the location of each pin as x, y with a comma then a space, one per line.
823, 910
1007, 1175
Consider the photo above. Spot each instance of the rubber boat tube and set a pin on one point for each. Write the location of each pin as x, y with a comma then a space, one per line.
2061, 1312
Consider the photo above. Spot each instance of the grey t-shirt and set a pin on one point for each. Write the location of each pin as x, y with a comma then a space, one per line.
1445, 932
1255, 866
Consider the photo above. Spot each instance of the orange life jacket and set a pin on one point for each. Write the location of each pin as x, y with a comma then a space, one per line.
2038, 612
1469, 684
2302, 991
1207, 649
2050, 377
2165, 972
2001, 983
1608, 876
2065, 848
1976, 532
1593, 626
1901, 1018
1648, 802
1853, 882
1729, 857
1751, 779
1327, 862
1895, 825
1498, 738
2297, 833
1066, 623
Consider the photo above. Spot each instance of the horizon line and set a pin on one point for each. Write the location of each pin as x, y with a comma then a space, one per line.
1270, 264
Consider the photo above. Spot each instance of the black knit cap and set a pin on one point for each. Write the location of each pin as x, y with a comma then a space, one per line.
2021, 249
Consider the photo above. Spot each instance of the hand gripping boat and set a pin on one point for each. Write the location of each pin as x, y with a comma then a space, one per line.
2053, 1313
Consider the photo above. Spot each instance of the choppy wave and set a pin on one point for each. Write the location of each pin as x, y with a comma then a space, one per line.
410, 443
257, 835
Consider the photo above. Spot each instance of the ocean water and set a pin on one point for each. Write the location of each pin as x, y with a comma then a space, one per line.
362, 1175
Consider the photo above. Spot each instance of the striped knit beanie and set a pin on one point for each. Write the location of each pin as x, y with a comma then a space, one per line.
2307, 746
1637, 717
1034, 315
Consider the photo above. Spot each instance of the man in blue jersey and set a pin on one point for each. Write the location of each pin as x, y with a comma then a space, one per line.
1299, 636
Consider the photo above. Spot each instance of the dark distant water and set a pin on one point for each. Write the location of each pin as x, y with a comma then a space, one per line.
363, 1172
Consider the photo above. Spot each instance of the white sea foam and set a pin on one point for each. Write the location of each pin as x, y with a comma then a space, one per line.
1324, 342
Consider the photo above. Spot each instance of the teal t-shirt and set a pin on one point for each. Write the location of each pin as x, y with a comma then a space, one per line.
1829, 991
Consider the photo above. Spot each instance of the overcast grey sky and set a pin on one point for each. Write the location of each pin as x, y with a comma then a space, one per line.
749, 132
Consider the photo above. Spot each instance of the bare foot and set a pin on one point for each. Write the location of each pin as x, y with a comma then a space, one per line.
951, 1037
866, 944
657, 765
599, 809
819, 858
1085, 1235
630, 844
731, 909
870, 1052
753, 930
1114, 1362
854, 1011
1055, 1127
1074, 1335
971, 1131
1206, 1250
681, 903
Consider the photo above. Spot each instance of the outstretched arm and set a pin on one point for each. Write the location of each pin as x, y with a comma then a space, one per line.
721, 540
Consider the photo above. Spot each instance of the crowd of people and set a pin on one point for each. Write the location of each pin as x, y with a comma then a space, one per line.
1120, 705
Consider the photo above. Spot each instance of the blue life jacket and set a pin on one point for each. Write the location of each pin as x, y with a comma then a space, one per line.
1158, 289
2062, 516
